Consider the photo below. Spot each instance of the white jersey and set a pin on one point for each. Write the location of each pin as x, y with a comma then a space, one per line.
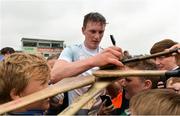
75, 53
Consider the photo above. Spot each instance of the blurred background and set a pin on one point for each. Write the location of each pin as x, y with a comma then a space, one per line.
135, 24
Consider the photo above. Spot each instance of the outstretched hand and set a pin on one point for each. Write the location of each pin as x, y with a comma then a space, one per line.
177, 54
175, 46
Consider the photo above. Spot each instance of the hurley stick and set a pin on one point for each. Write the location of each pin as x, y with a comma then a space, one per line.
76, 82
121, 73
101, 83
82, 100
152, 56
60, 87
135, 59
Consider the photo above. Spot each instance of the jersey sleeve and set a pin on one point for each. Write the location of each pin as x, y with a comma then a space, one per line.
66, 54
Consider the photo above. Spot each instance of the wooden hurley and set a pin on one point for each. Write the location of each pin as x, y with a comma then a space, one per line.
102, 83
139, 73
121, 73
82, 100
76, 82
168, 52
60, 87
140, 58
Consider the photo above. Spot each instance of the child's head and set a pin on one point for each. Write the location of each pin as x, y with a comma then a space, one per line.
155, 102
165, 62
52, 59
174, 83
136, 84
22, 74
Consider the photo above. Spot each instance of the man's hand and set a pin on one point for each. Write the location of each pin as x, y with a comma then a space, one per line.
111, 55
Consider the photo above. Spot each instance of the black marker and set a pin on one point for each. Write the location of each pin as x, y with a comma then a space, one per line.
113, 40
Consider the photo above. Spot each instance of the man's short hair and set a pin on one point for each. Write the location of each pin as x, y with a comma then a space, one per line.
94, 17
7, 50
162, 45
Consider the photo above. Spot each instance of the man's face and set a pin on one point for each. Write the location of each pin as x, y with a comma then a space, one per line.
34, 86
165, 62
132, 86
93, 33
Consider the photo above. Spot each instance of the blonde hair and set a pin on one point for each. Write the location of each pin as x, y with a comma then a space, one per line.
17, 69
155, 102
172, 81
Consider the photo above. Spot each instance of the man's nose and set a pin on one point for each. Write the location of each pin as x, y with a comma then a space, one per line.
97, 35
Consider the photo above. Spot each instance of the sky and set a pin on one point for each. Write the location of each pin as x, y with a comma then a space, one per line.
135, 24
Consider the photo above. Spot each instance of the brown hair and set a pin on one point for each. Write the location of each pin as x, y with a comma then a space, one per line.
16, 71
145, 65
7, 50
162, 45
172, 81
94, 17
155, 102
54, 56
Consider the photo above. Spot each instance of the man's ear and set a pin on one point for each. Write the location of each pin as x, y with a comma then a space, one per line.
14, 94
147, 84
83, 30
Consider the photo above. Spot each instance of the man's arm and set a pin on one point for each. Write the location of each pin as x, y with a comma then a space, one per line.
63, 69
